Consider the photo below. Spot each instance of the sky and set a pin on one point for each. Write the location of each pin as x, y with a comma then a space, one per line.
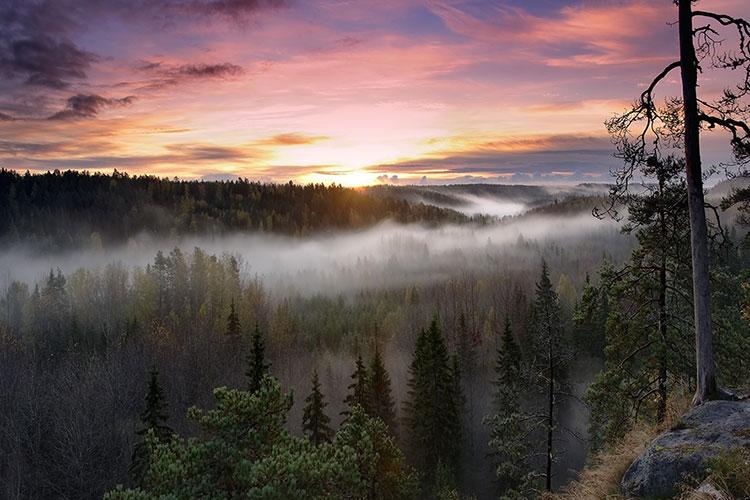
347, 91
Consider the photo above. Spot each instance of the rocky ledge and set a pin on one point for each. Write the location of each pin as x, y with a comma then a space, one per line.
702, 433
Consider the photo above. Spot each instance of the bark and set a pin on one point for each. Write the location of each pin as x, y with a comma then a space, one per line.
661, 410
550, 416
705, 368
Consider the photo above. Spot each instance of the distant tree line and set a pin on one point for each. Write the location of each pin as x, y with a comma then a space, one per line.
64, 209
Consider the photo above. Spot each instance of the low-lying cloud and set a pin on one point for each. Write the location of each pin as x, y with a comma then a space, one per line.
386, 256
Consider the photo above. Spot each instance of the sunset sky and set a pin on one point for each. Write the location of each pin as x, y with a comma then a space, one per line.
347, 91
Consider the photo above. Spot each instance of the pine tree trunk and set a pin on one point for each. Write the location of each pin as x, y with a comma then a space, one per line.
550, 417
705, 368
661, 410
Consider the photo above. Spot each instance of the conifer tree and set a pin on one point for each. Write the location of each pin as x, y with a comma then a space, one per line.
507, 372
432, 409
257, 367
233, 330
508, 426
590, 317
315, 423
548, 358
380, 400
358, 389
649, 345
153, 421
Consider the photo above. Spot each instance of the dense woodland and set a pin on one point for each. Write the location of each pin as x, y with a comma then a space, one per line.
190, 377
68, 209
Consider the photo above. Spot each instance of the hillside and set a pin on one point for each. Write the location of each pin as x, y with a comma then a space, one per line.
66, 209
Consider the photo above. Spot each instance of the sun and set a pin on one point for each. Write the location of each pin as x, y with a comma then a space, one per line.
347, 178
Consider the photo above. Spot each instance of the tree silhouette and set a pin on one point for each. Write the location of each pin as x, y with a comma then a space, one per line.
153, 419
256, 363
233, 323
315, 422
646, 130
380, 399
358, 389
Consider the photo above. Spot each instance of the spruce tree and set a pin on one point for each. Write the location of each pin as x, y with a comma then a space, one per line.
649, 344
233, 330
153, 420
257, 368
315, 423
380, 400
432, 409
507, 372
548, 358
508, 426
358, 389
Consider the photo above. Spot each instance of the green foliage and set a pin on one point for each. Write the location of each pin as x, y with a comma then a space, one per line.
154, 429
380, 403
315, 422
590, 317
257, 368
649, 341
358, 390
432, 410
379, 458
233, 330
507, 381
508, 427
245, 452
63, 209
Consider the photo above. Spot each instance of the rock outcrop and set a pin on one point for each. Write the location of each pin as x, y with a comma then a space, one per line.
702, 433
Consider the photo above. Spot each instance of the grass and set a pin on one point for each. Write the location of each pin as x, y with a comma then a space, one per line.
600, 479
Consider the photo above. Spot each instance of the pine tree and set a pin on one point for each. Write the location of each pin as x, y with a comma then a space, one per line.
380, 400
153, 420
507, 373
549, 356
508, 426
257, 368
648, 340
590, 317
432, 409
358, 389
233, 323
315, 423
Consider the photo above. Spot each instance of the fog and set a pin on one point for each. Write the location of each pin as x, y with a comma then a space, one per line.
384, 256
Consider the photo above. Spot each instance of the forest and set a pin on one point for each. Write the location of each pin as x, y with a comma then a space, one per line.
183, 338
398, 361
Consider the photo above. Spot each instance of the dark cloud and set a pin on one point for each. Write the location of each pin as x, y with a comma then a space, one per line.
36, 46
229, 8
88, 106
209, 70
45, 62
13, 148
167, 76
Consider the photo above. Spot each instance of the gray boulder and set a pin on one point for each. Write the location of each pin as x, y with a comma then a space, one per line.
702, 433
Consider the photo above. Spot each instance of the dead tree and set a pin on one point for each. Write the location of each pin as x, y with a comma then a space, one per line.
647, 131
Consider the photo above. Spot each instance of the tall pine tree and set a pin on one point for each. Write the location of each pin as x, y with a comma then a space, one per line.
380, 400
432, 409
508, 425
233, 330
315, 422
153, 421
358, 389
257, 367
548, 362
